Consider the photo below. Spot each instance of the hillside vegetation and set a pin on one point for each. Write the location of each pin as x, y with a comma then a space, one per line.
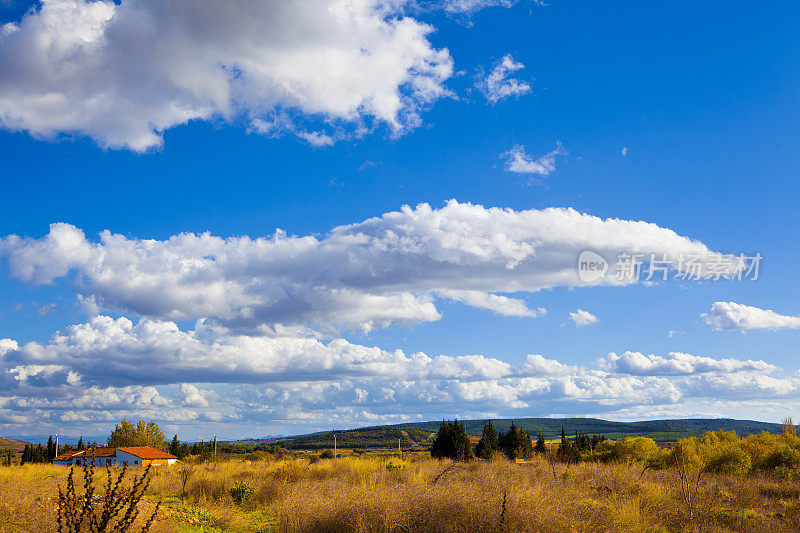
418, 433
367, 438
12, 444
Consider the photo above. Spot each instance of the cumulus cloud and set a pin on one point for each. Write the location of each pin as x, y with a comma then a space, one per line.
733, 316
193, 396
517, 160
501, 305
382, 271
676, 363
582, 318
123, 73
498, 85
115, 367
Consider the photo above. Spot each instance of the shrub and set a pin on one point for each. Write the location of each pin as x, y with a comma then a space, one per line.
688, 453
260, 455
631, 450
635, 449
240, 492
728, 459
716, 438
327, 454
782, 460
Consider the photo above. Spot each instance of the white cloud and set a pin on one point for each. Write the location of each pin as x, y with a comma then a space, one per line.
193, 396
733, 316
7, 345
582, 318
468, 7
123, 73
517, 160
471, 6
676, 363
383, 271
152, 369
497, 85
501, 305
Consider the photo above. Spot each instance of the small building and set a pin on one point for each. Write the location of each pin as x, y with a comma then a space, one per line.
133, 456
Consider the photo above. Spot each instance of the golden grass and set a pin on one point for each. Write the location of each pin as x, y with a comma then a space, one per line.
372, 493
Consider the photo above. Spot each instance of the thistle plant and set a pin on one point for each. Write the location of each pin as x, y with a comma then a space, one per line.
80, 511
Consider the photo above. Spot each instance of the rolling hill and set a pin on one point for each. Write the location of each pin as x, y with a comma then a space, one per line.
417, 434
12, 444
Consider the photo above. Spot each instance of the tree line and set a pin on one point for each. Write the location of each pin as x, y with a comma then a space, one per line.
452, 442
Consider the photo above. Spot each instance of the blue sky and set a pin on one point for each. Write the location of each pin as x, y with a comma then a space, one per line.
703, 98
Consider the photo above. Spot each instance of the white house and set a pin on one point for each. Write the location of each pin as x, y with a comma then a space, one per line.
133, 456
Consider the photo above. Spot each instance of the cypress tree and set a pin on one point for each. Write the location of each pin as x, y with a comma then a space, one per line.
33, 454
80, 443
51, 448
488, 443
563, 440
175, 446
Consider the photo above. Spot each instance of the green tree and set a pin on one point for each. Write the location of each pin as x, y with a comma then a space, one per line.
597, 439
51, 449
540, 445
142, 433
488, 443
516, 443
175, 446
80, 443
451, 442
567, 451
34, 454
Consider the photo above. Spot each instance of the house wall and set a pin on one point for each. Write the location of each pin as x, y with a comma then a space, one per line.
96, 461
159, 462
127, 459
122, 459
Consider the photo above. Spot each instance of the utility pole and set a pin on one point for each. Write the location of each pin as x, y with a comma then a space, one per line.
215, 444
334, 446
56, 444
399, 452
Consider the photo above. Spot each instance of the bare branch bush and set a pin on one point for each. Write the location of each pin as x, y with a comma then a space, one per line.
80, 511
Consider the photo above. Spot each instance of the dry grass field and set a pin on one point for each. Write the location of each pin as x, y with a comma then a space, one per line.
381, 493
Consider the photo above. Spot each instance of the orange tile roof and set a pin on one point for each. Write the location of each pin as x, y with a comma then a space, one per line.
147, 452
88, 452
67, 455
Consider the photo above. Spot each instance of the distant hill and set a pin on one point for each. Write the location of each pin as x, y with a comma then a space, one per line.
659, 430
366, 438
12, 444
62, 439
417, 434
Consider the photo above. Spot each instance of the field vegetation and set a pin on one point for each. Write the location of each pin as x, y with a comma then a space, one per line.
719, 482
